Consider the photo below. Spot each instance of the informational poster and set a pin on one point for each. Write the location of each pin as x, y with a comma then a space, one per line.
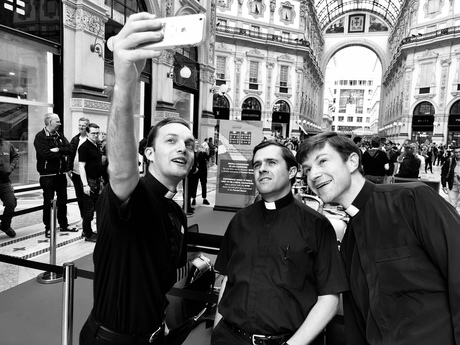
235, 176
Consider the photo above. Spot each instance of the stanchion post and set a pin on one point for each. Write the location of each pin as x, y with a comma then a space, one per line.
51, 277
67, 303
186, 205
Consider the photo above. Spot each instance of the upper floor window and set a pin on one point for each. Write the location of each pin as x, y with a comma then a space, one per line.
256, 8
220, 67
253, 71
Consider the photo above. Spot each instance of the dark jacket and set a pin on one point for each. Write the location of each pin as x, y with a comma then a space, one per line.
49, 163
74, 147
447, 172
9, 159
410, 167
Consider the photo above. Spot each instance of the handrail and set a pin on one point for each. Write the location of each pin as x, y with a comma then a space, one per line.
262, 36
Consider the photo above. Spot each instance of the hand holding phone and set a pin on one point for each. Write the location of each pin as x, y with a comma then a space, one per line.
177, 31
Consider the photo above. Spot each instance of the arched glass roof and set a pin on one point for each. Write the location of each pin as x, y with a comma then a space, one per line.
329, 10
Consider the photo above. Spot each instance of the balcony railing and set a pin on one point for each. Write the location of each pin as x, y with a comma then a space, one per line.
265, 37
431, 35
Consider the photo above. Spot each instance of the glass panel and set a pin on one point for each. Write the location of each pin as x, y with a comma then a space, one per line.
30, 15
25, 97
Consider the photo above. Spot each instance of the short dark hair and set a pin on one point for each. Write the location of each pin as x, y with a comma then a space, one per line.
154, 130
357, 139
286, 153
341, 143
91, 125
375, 141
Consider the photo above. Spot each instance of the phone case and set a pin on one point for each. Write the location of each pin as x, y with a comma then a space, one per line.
180, 31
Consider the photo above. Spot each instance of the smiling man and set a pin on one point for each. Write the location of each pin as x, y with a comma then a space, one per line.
401, 250
280, 261
141, 230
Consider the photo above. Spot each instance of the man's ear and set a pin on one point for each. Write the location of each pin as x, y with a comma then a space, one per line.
292, 172
353, 162
149, 153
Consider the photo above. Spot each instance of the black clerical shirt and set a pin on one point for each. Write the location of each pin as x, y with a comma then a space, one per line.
402, 256
140, 244
278, 257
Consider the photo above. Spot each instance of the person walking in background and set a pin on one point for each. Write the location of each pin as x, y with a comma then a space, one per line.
91, 169
401, 250
409, 164
450, 177
281, 265
212, 152
105, 163
53, 149
141, 230
201, 175
75, 143
9, 159
428, 155
375, 162
190, 183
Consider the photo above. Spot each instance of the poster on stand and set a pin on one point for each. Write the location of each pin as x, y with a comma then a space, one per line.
235, 176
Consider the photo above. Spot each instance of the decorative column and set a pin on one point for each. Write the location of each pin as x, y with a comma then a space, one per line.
408, 74
442, 118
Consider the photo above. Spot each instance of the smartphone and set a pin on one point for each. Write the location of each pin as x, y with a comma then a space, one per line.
179, 31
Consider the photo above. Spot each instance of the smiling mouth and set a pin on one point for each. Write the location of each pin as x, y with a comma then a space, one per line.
322, 184
180, 160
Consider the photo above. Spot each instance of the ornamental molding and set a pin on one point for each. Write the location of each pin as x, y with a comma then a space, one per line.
255, 53
89, 105
86, 19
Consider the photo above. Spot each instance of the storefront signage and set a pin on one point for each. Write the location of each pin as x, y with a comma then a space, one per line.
250, 115
235, 176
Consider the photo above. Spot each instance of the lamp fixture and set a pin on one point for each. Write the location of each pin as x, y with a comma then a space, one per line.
96, 47
185, 72
221, 90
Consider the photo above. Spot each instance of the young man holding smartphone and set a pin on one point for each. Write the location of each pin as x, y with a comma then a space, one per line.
141, 230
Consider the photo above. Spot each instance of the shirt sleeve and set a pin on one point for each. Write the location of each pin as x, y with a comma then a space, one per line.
437, 225
329, 268
82, 153
225, 250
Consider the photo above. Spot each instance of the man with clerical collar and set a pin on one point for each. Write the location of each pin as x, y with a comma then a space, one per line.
140, 229
401, 250
281, 265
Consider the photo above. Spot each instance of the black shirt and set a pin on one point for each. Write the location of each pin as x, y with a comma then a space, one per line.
374, 161
138, 249
402, 256
90, 154
278, 261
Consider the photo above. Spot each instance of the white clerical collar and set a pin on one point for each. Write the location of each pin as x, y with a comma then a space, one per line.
169, 195
352, 210
270, 205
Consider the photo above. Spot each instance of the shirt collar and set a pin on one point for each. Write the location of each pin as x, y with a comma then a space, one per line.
158, 186
280, 203
48, 133
361, 199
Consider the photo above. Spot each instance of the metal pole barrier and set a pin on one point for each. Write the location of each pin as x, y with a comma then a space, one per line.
186, 204
51, 277
67, 300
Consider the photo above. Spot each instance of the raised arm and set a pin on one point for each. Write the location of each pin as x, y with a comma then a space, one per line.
129, 61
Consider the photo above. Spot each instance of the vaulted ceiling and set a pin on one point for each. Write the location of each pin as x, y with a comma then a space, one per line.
329, 10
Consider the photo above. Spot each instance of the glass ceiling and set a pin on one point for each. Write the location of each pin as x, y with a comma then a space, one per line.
329, 10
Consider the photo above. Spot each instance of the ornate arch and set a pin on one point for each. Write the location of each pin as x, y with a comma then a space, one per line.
153, 6
381, 54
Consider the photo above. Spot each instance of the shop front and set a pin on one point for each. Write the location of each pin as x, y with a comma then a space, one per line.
31, 82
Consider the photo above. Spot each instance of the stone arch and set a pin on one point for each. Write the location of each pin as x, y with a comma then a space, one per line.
433, 103
153, 7
356, 42
289, 103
